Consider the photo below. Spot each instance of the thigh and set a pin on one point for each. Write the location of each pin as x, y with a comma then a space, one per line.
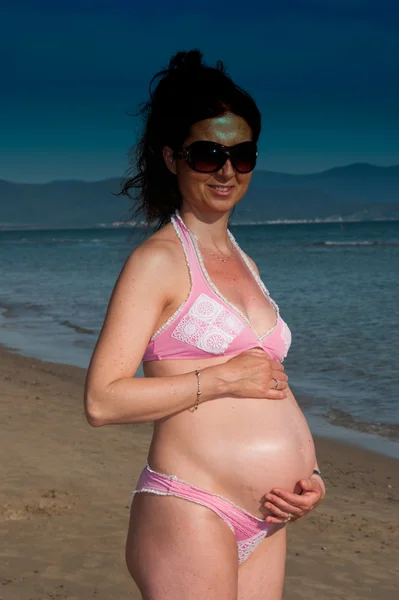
261, 577
178, 550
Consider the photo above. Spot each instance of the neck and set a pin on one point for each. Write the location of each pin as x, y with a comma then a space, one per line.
209, 228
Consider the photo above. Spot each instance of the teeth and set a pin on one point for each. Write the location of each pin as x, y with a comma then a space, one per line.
221, 188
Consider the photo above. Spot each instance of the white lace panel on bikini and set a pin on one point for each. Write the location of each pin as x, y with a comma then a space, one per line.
208, 326
246, 547
286, 337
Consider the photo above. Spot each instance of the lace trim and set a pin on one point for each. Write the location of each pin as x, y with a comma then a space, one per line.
246, 547
174, 478
216, 291
181, 307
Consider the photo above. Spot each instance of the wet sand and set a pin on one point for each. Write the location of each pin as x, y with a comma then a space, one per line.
65, 493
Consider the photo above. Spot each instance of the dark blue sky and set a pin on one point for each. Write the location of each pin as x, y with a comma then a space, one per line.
323, 72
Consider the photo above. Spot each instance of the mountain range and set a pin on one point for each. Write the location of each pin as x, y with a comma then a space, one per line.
359, 191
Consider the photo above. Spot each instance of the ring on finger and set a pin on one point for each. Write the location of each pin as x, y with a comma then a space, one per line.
275, 383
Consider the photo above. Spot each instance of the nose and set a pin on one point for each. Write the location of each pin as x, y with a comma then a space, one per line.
227, 171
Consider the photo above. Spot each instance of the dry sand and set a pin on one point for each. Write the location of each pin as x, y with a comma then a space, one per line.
65, 491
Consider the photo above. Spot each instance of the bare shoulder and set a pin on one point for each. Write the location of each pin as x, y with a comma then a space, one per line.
157, 257
252, 263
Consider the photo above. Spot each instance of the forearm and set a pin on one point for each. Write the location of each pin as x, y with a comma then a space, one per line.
139, 400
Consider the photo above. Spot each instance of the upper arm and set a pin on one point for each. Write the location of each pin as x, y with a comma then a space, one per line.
140, 295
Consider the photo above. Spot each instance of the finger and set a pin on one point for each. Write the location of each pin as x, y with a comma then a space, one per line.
284, 506
279, 375
309, 484
276, 365
272, 394
278, 385
277, 512
303, 501
270, 519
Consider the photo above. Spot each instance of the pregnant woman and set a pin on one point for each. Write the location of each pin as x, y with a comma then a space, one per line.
232, 460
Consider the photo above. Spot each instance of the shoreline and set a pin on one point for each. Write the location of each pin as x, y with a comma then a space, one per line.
363, 440
352, 432
66, 490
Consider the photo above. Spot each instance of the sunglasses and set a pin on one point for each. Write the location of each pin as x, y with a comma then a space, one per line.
208, 157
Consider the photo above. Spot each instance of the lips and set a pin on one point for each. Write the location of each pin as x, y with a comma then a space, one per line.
222, 190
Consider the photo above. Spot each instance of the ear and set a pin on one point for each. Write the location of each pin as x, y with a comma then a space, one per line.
170, 161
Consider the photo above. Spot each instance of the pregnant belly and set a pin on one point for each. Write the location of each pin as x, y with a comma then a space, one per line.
240, 449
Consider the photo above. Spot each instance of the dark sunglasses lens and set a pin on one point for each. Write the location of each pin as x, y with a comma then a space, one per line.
244, 157
208, 157
205, 157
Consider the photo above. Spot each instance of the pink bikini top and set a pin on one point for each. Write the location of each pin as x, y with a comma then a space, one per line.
206, 323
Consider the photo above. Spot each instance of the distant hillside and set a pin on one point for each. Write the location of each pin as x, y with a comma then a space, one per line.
359, 191
62, 203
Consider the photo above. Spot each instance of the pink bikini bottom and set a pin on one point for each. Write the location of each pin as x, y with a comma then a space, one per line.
248, 530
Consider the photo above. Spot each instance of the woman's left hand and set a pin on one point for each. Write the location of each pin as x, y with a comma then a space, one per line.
287, 506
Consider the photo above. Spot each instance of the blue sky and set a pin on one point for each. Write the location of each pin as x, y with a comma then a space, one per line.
323, 72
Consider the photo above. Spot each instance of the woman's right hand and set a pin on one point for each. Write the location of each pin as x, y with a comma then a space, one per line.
253, 374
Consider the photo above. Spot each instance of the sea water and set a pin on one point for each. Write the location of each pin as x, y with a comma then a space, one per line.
336, 286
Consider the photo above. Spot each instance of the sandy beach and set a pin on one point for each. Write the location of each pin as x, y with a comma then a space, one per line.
66, 487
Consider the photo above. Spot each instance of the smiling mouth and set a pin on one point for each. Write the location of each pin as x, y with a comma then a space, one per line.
222, 188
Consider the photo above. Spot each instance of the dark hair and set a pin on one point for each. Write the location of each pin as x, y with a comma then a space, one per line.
187, 91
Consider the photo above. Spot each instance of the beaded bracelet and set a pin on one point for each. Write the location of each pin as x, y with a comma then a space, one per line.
198, 390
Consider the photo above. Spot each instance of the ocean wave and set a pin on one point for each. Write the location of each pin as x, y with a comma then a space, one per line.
21, 241
45, 241
76, 241
355, 243
337, 416
16, 309
77, 328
